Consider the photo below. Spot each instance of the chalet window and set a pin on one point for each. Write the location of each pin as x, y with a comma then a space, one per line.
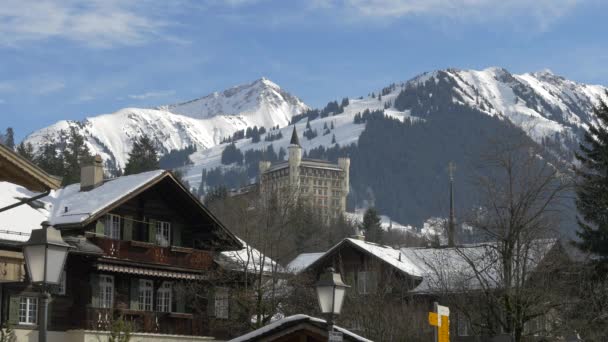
365, 282
28, 310
222, 303
463, 324
112, 227
145, 294
61, 287
106, 291
163, 233
163, 297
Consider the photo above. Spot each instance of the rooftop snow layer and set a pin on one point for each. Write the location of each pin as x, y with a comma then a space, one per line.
302, 261
72, 206
17, 223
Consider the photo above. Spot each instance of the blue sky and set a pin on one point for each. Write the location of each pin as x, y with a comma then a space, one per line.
65, 59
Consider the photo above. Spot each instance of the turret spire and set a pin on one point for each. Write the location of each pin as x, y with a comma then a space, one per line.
294, 137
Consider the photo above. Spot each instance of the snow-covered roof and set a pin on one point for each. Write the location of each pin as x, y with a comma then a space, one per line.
17, 223
302, 261
292, 320
248, 258
472, 266
389, 255
72, 206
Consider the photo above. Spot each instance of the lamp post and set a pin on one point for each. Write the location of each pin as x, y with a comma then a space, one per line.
330, 292
45, 254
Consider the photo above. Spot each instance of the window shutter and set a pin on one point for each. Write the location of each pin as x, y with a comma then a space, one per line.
233, 308
152, 231
134, 294
100, 227
180, 298
128, 228
176, 231
95, 290
211, 302
13, 310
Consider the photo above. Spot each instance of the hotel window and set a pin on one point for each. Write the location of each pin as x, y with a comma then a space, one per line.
145, 294
106, 291
112, 227
163, 298
163, 232
28, 310
222, 303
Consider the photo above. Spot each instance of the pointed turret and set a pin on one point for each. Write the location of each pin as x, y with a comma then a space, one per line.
294, 137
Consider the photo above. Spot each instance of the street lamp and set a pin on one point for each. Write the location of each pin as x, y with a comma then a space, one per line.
330, 292
45, 253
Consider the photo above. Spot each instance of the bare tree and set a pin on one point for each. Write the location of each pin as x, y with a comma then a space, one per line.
507, 282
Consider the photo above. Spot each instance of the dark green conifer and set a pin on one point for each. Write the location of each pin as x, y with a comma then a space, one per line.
143, 156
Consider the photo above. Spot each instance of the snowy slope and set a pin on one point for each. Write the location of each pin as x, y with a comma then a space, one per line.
260, 103
203, 122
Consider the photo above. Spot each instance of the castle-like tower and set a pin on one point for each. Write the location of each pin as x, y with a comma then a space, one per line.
322, 184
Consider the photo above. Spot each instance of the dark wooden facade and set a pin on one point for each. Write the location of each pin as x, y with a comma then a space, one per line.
137, 254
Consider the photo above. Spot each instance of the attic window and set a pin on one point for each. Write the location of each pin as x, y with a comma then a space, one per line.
112, 227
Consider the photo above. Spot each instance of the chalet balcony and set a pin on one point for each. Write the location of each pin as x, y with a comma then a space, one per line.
148, 321
146, 252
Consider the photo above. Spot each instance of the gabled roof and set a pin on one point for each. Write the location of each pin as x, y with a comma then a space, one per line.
302, 261
247, 259
283, 326
18, 170
473, 266
70, 207
388, 255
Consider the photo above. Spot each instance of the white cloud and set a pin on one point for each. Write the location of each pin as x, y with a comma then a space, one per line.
36, 85
152, 94
543, 11
97, 23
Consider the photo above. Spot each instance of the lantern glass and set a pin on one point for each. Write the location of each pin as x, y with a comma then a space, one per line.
325, 295
34, 258
339, 298
56, 256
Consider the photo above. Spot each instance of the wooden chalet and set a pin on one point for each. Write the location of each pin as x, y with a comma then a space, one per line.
138, 241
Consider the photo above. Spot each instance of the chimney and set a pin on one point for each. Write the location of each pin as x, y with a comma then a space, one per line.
358, 235
91, 176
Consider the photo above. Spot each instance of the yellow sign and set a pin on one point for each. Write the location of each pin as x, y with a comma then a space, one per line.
433, 319
441, 320
444, 329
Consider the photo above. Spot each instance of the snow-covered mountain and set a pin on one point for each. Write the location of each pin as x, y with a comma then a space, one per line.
548, 107
203, 122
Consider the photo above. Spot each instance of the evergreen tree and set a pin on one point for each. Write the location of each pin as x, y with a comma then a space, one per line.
143, 156
333, 139
75, 155
9, 138
332, 125
26, 150
308, 124
592, 190
49, 160
371, 226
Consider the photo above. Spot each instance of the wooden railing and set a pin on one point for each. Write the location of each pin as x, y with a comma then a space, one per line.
151, 253
146, 321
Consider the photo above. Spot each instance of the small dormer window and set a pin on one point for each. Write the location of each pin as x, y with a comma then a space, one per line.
112, 227
163, 233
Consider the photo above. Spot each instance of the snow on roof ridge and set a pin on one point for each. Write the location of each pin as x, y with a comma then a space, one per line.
297, 317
